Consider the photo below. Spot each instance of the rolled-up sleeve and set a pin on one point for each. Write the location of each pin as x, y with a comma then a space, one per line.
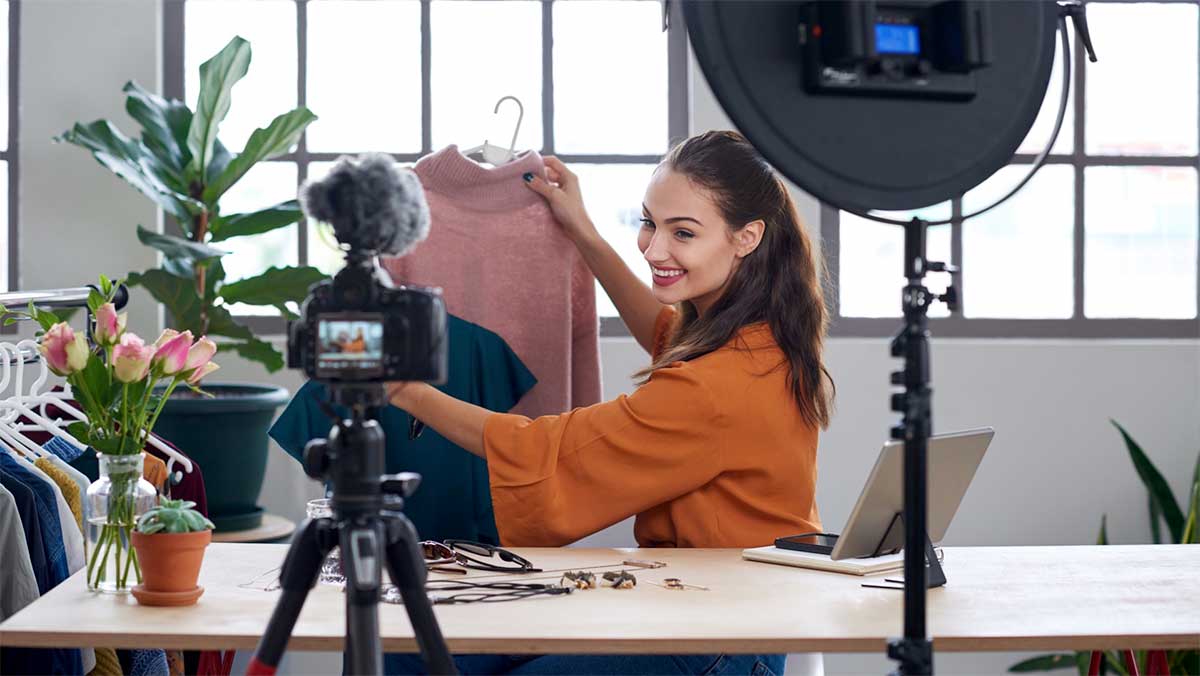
555, 479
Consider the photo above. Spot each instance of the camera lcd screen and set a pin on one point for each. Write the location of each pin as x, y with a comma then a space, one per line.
893, 38
350, 346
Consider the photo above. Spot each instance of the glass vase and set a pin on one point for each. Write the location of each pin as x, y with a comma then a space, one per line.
114, 504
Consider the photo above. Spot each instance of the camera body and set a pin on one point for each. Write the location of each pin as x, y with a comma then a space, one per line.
358, 329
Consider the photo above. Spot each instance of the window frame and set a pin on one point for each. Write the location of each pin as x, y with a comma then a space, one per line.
174, 34
12, 154
1078, 325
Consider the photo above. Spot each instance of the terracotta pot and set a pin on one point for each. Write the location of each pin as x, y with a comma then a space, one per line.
171, 561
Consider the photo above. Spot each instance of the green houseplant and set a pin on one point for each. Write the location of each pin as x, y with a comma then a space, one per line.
170, 540
179, 163
1183, 528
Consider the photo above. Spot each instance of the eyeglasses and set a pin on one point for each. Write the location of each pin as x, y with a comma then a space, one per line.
457, 547
437, 554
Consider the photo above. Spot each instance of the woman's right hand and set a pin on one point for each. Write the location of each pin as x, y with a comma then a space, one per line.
562, 194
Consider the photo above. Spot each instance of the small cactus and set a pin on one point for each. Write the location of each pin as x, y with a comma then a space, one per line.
173, 516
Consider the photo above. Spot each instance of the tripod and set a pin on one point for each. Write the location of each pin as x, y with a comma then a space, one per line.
367, 525
915, 651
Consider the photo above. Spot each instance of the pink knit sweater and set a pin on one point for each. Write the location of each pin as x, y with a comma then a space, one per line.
503, 262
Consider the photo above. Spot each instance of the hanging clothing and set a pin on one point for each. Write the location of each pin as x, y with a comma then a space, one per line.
154, 470
53, 559
711, 452
454, 500
107, 663
504, 263
60, 447
69, 488
27, 509
18, 585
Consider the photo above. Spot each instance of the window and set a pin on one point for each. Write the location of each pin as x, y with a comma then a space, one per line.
1101, 243
402, 76
9, 20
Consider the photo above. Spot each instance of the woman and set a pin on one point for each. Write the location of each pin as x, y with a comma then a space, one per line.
717, 446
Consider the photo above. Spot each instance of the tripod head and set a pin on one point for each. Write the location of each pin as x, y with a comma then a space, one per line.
351, 458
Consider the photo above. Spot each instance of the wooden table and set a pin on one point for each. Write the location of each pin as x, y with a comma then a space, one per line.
997, 598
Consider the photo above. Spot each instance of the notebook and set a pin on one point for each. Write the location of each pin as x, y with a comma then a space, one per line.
865, 566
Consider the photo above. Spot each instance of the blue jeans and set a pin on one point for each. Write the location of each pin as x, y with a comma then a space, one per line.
706, 665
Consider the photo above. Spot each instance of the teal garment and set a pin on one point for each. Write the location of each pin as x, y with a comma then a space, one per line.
454, 499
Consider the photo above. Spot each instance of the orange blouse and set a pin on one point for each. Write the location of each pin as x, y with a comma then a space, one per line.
710, 452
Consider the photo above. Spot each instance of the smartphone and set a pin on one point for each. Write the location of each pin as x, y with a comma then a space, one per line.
819, 543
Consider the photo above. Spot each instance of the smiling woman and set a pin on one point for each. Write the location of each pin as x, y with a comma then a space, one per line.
717, 446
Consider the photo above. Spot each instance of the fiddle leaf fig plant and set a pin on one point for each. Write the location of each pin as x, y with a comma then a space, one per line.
179, 163
173, 516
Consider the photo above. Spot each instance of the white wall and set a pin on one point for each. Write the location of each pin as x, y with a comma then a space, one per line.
1054, 467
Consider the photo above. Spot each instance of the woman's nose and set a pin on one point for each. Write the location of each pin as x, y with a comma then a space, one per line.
656, 250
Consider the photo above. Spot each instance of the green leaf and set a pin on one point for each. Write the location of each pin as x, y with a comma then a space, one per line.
1157, 486
257, 350
222, 323
180, 254
1045, 663
159, 118
176, 293
133, 162
264, 144
95, 299
212, 277
1102, 539
275, 287
255, 223
96, 375
217, 77
1155, 517
1190, 535
81, 431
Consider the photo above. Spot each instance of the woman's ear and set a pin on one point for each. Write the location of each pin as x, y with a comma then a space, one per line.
749, 237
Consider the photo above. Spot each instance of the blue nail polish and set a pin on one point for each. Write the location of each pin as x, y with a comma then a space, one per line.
528, 176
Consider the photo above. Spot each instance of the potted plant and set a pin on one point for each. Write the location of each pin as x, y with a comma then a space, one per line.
1183, 526
115, 381
170, 541
179, 163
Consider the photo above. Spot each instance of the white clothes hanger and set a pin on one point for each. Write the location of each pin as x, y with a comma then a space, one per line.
494, 154
16, 406
19, 442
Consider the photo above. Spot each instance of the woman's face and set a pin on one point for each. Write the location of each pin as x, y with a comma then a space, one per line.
687, 244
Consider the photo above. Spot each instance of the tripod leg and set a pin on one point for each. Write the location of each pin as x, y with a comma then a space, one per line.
299, 574
406, 567
361, 545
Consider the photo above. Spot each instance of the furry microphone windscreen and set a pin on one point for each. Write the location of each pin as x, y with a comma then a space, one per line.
371, 203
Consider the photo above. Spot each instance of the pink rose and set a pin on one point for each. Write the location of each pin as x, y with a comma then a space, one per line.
109, 325
198, 374
171, 355
131, 359
167, 334
64, 350
200, 353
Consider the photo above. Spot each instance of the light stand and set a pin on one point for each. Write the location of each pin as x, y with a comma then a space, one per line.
915, 651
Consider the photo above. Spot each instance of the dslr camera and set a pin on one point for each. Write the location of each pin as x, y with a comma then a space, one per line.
358, 329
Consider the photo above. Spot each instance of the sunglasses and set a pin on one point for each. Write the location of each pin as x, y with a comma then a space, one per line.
465, 551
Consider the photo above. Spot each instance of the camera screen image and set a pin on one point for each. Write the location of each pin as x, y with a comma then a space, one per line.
350, 344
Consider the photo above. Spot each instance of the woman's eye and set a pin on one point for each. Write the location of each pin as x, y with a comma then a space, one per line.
647, 223
684, 234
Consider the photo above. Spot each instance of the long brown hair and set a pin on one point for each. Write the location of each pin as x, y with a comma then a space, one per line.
778, 283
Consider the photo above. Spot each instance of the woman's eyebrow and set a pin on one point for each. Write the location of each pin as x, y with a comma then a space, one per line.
673, 219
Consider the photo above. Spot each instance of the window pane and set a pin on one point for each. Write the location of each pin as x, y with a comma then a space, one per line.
1017, 258
1039, 134
617, 103
379, 107
1140, 250
268, 183
481, 52
269, 88
871, 262
613, 196
1131, 109
4, 78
